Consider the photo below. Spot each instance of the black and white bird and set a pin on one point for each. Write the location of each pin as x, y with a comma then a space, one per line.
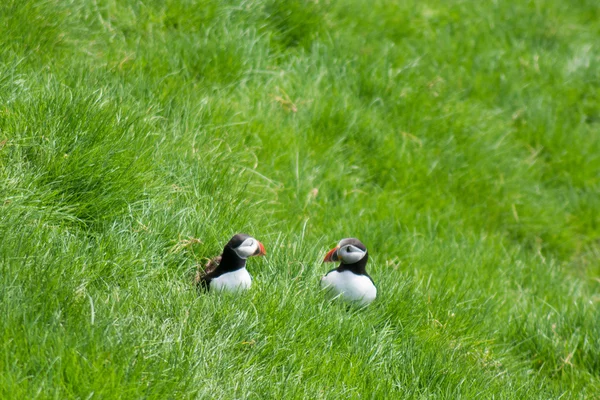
350, 280
228, 272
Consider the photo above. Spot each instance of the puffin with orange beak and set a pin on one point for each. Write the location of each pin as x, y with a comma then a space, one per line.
350, 280
228, 272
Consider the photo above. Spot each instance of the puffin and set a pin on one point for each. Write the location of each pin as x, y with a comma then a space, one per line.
228, 272
350, 280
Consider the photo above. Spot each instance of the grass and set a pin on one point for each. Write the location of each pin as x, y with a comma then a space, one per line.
458, 140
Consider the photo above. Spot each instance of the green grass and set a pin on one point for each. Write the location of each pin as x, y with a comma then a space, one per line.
460, 141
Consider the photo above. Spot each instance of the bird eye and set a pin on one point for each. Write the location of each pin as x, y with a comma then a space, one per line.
250, 242
349, 249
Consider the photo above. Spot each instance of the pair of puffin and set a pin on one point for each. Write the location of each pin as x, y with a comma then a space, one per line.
349, 280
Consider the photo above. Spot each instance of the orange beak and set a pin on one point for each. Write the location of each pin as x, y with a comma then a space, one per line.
261, 249
331, 255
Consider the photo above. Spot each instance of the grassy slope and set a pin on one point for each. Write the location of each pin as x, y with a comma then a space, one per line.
458, 140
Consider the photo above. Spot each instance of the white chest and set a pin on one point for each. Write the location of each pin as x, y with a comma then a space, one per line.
350, 286
232, 281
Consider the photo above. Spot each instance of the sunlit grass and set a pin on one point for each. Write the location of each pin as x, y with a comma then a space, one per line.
459, 141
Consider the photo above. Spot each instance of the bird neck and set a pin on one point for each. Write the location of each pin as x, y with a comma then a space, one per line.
359, 267
230, 261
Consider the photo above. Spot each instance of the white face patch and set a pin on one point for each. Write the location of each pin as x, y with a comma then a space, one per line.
350, 254
247, 248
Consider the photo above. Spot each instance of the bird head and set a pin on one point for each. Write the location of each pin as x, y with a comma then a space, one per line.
246, 246
347, 251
